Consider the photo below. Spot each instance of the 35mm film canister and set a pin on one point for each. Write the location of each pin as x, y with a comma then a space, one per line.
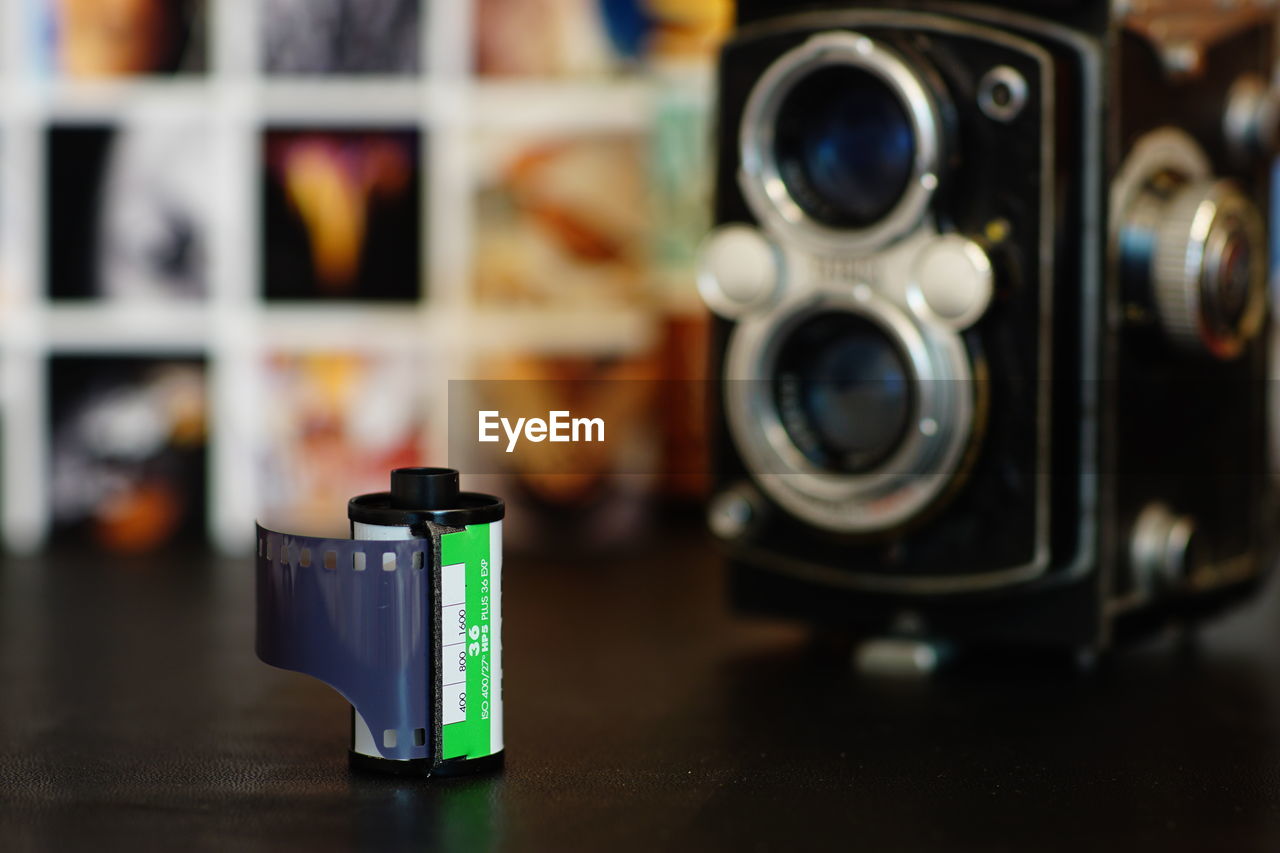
404, 620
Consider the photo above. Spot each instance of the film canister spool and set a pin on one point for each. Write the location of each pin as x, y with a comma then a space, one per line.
404, 619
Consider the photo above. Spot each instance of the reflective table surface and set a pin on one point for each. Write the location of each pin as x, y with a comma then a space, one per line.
640, 715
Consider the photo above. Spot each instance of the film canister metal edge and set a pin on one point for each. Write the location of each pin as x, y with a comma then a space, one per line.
404, 620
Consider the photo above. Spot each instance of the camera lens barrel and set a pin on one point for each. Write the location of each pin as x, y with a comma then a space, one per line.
841, 143
844, 146
844, 392
849, 412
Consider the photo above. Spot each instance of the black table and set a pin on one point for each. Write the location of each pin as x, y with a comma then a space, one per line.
133, 713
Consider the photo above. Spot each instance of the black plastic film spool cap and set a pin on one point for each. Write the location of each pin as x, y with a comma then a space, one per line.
425, 494
424, 488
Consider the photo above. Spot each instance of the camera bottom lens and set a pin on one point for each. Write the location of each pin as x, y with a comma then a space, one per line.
844, 392
847, 412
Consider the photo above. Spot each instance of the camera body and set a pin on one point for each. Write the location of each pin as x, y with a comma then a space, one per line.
989, 285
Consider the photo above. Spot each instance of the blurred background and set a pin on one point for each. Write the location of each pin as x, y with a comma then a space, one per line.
245, 245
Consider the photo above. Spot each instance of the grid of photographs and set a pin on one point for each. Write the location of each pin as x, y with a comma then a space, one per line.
336, 424
134, 204
549, 38
341, 214
89, 39
128, 451
341, 36
561, 220
582, 492
266, 234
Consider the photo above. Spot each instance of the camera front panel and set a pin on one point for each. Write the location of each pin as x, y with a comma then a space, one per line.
925, 291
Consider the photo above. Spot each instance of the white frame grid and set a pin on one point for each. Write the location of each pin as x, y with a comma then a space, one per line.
233, 327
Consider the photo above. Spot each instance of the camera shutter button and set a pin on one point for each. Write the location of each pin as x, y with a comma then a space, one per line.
738, 270
951, 281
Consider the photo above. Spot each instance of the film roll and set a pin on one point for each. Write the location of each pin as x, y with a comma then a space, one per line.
404, 620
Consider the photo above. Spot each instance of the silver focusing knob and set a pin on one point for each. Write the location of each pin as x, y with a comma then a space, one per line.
951, 281
1208, 268
733, 512
1251, 121
1163, 549
739, 271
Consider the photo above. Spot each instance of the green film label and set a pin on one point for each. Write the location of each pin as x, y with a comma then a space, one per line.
471, 641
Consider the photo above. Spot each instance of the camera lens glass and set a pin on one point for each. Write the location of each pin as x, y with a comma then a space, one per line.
843, 392
844, 146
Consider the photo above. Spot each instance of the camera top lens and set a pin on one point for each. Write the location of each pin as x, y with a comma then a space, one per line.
844, 146
841, 143
844, 392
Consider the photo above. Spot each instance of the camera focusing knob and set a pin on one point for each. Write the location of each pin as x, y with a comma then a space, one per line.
1207, 276
951, 281
1251, 122
738, 271
1163, 548
733, 512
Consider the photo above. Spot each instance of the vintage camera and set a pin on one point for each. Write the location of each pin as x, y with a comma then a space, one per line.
989, 285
